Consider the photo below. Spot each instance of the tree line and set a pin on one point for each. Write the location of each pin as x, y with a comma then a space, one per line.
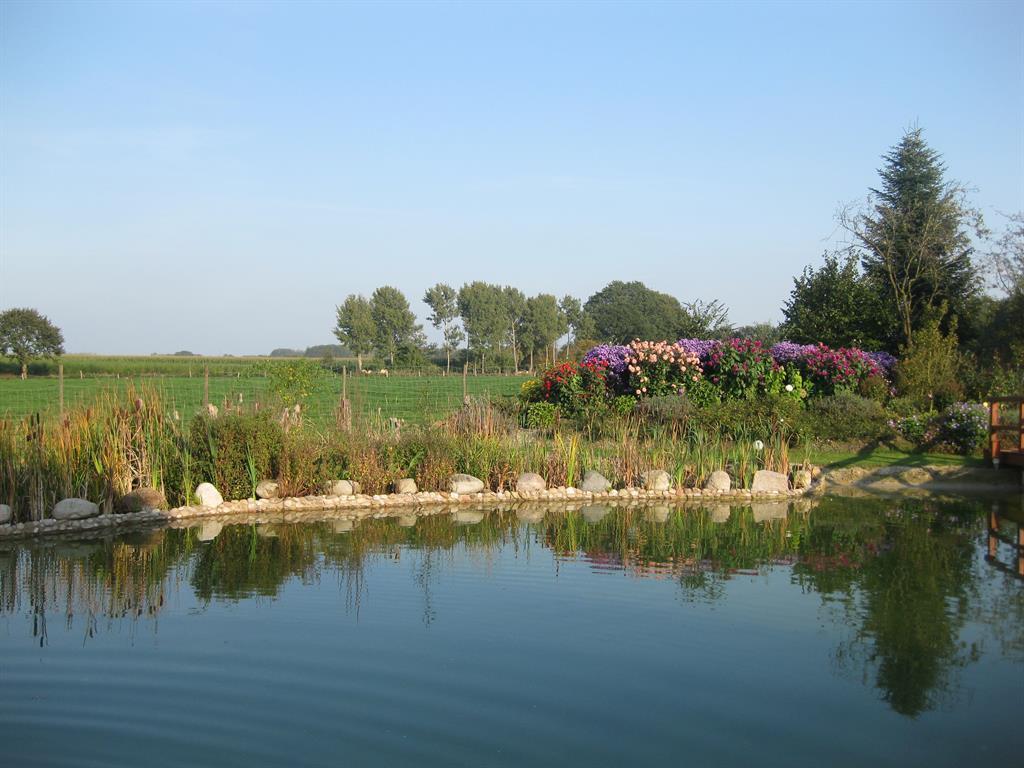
502, 327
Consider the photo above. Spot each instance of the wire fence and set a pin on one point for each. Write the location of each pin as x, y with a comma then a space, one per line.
411, 398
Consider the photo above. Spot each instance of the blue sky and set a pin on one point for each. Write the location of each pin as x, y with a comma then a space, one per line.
217, 177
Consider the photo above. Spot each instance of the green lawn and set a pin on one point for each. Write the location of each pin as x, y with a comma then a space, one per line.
889, 457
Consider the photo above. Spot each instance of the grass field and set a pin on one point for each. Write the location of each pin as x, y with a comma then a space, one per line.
888, 457
413, 398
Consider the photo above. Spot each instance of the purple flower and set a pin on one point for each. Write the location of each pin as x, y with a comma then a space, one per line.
883, 360
702, 348
790, 352
614, 356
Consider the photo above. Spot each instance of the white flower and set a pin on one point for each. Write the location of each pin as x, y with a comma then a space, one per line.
789, 387
759, 445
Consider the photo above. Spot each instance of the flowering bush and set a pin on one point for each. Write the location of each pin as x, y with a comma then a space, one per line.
788, 352
963, 427
699, 348
614, 358
743, 368
574, 386
833, 370
915, 428
658, 368
884, 361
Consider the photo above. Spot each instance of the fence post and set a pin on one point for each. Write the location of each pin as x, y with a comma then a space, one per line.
465, 383
206, 385
346, 407
60, 385
1020, 425
993, 423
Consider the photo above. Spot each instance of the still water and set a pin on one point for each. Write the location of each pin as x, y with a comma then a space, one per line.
850, 632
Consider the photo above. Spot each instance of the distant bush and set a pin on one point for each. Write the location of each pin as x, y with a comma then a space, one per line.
846, 416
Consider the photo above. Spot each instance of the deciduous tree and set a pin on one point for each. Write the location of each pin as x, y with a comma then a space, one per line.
355, 328
25, 334
394, 322
443, 301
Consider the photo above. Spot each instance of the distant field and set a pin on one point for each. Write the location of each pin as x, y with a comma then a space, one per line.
410, 397
143, 365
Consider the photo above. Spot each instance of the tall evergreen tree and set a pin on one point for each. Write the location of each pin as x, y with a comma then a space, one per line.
916, 238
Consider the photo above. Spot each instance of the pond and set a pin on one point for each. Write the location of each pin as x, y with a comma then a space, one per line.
838, 632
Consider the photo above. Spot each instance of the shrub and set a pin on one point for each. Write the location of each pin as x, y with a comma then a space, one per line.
963, 427
765, 415
614, 357
657, 368
573, 386
874, 388
846, 416
929, 369
914, 428
541, 415
742, 368
837, 370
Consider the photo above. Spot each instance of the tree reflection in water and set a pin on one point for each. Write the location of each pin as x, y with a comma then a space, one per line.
906, 576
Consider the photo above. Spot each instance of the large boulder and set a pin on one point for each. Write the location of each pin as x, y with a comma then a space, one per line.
405, 485
5, 514
766, 481
141, 499
267, 489
718, 480
74, 509
657, 480
343, 488
530, 482
463, 484
208, 496
595, 482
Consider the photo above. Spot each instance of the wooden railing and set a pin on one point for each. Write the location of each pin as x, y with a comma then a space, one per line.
1000, 449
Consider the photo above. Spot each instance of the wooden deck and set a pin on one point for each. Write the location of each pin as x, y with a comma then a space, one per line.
1006, 441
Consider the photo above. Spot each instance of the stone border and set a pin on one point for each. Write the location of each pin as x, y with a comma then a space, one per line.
363, 505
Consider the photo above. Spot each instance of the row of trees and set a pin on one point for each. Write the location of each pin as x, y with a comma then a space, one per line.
500, 325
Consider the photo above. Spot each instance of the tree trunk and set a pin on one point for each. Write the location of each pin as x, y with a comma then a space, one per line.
448, 368
359, 361
24, 370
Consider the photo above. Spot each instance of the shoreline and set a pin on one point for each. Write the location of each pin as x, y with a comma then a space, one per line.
878, 481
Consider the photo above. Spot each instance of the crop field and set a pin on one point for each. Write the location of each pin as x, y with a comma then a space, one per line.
237, 381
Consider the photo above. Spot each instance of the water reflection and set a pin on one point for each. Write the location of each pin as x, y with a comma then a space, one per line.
902, 581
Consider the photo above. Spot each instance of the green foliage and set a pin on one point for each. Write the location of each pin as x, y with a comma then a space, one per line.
295, 381
481, 309
622, 312
575, 387
231, 449
545, 323
929, 368
26, 334
834, 305
916, 240
874, 388
443, 301
845, 416
742, 368
541, 415
355, 327
394, 323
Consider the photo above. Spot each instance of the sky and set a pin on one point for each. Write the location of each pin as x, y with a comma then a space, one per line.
217, 177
